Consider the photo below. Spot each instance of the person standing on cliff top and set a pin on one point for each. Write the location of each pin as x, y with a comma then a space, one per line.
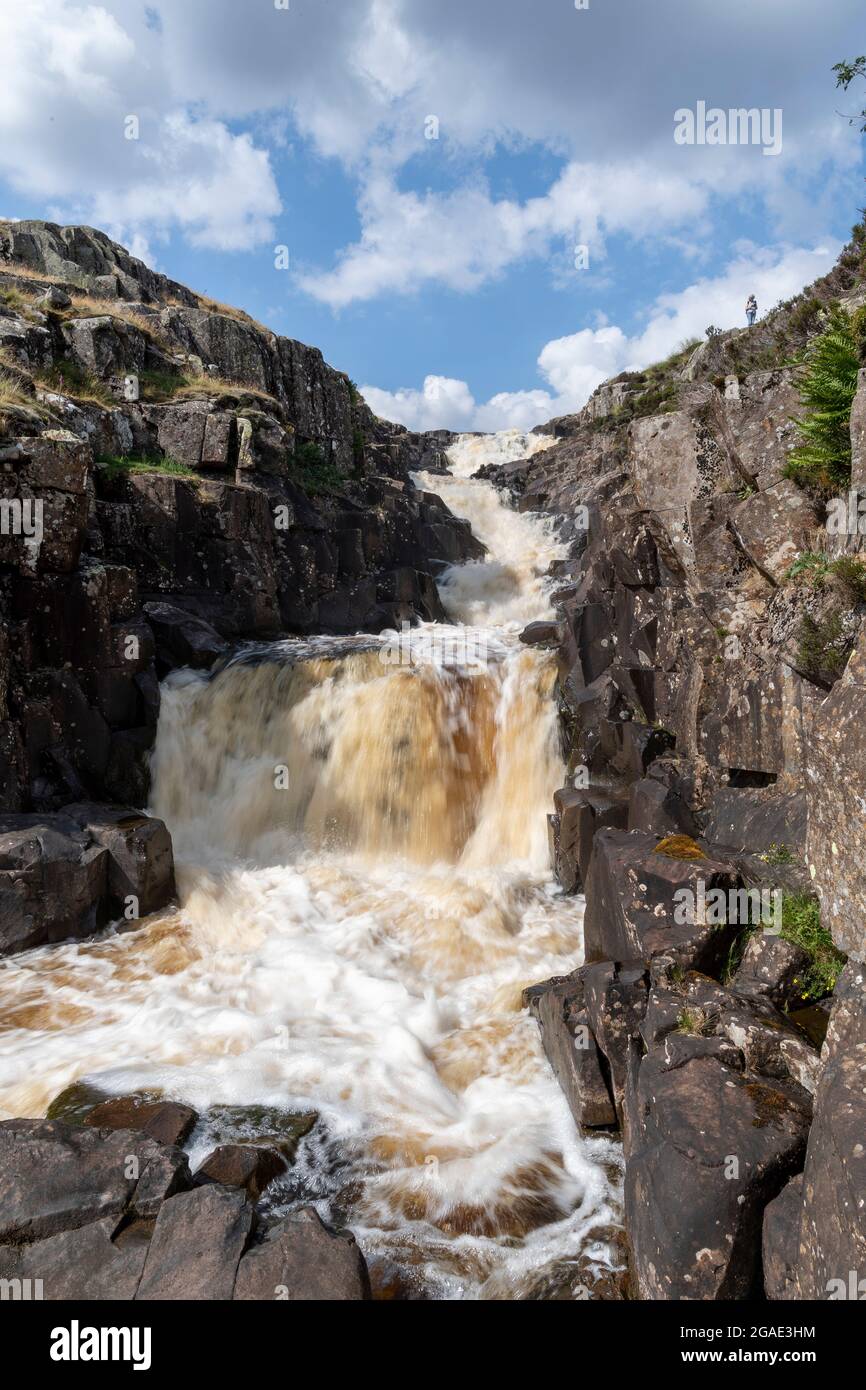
751, 310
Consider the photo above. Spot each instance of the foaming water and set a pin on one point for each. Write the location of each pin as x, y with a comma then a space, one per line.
365, 891
510, 587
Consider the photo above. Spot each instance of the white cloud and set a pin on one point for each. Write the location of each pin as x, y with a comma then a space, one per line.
574, 365
73, 74
597, 88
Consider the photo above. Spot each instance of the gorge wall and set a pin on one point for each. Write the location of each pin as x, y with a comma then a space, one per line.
712, 694
175, 477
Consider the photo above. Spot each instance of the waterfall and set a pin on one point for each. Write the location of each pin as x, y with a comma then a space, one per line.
360, 834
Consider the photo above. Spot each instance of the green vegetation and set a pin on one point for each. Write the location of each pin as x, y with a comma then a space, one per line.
845, 75
848, 570
777, 854
313, 472
66, 378
823, 647
115, 466
801, 925
690, 1021
828, 382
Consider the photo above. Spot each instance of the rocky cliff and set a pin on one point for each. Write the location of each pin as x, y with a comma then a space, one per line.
175, 478
711, 649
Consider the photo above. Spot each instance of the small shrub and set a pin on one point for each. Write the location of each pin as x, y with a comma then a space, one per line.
313, 472
851, 573
690, 1021
801, 925
828, 383
777, 854
823, 647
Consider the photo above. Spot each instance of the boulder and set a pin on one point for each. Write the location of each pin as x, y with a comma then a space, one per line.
772, 967
140, 857
711, 1149
183, 639
165, 1121
53, 881
242, 1165
100, 1262
57, 1177
558, 1007
301, 1260
633, 911
196, 1246
542, 634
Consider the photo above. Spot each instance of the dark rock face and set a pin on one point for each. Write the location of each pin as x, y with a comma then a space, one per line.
242, 1165
832, 1229
695, 1223
265, 499
692, 706
301, 1259
99, 1213
68, 874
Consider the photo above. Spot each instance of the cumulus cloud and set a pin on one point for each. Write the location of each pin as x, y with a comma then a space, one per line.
574, 365
464, 238
358, 81
74, 79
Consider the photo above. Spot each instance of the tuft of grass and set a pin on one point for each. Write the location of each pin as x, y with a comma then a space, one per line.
68, 379
207, 385
690, 1021
801, 925
214, 306
823, 647
117, 466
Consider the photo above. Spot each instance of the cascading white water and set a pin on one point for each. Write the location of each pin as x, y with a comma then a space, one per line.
362, 863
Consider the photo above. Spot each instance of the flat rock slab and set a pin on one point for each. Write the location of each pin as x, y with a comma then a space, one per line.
56, 1177
711, 1148
165, 1121
87, 1264
302, 1260
197, 1243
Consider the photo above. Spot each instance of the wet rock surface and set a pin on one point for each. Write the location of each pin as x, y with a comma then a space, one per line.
101, 1213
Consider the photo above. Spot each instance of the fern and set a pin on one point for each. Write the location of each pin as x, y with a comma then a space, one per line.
827, 385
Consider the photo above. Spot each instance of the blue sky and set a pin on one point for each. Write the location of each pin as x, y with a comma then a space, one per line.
440, 273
